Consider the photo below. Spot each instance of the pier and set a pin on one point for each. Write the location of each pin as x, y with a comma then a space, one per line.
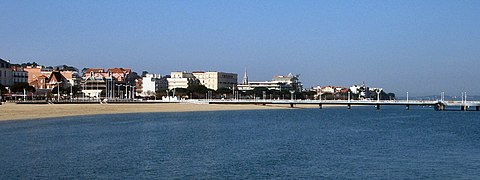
437, 105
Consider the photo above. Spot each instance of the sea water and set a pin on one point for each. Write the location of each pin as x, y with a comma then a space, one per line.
333, 143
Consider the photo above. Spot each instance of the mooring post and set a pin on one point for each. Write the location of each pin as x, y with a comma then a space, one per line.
349, 106
320, 106
377, 106
407, 107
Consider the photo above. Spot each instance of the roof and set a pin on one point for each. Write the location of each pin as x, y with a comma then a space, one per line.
95, 70
57, 76
119, 70
42, 76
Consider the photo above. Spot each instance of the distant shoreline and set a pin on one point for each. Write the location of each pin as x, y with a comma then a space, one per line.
10, 111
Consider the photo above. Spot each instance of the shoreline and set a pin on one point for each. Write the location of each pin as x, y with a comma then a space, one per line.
19, 112
11, 112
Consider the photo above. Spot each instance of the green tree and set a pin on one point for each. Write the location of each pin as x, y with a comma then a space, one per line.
198, 88
181, 92
226, 91
258, 91
62, 90
2, 88
19, 87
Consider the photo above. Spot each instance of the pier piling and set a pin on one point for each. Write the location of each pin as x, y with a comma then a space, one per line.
439, 107
377, 106
291, 105
477, 108
349, 106
407, 107
320, 106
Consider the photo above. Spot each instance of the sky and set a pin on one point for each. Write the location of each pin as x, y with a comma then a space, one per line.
423, 47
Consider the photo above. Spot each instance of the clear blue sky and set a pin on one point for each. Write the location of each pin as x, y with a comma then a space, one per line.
419, 46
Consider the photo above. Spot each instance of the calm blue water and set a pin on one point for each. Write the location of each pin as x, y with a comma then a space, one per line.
361, 143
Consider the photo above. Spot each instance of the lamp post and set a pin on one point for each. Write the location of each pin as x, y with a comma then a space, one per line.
407, 96
127, 92
118, 90
83, 89
291, 94
133, 92
348, 96
168, 95
378, 95
58, 92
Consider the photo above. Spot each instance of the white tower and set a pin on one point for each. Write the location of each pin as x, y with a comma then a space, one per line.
245, 78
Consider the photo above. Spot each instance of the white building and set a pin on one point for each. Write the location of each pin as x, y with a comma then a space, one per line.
211, 79
180, 80
151, 83
6, 73
289, 82
216, 80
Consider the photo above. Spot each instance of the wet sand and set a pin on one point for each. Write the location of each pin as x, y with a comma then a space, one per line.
11, 111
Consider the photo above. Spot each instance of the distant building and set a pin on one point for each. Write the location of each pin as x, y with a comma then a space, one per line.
19, 75
6, 73
57, 79
152, 83
34, 73
288, 82
113, 82
211, 79
216, 80
360, 91
328, 89
181, 80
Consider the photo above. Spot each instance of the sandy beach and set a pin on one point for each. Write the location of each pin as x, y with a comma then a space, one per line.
11, 111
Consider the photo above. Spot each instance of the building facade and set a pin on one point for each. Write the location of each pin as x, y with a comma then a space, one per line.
19, 75
216, 80
151, 83
280, 83
181, 80
110, 83
6, 73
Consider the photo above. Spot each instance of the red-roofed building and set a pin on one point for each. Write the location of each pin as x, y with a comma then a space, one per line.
98, 82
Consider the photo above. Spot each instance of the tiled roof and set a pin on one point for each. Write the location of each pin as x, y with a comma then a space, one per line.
95, 70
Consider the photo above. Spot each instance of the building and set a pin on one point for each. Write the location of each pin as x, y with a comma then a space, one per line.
111, 83
280, 83
216, 80
19, 75
152, 83
56, 79
38, 76
211, 79
6, 73
40, 82
138, 86
360, 91
181, 80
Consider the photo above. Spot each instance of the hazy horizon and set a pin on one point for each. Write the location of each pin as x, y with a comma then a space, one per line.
423, 47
